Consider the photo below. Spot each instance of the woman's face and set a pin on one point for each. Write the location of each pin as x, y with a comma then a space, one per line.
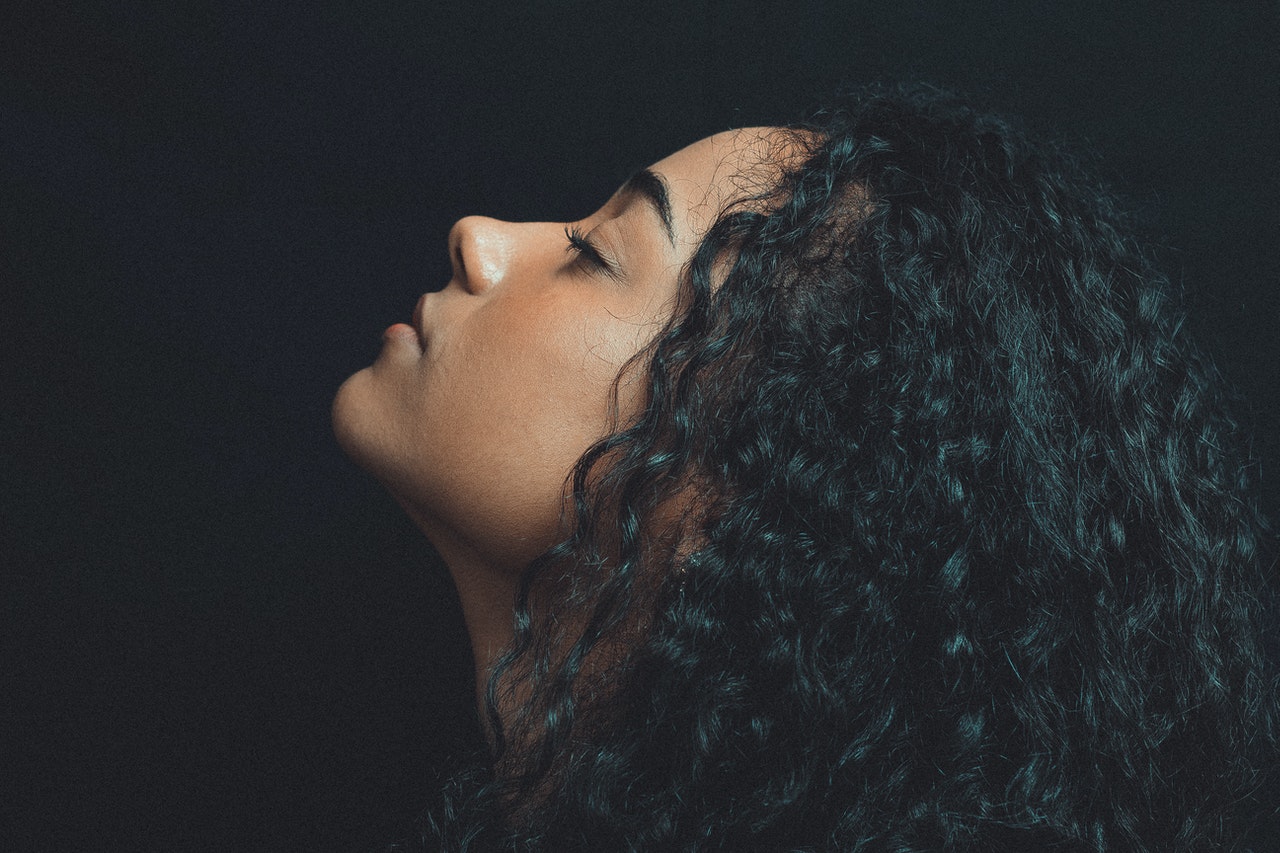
474, 415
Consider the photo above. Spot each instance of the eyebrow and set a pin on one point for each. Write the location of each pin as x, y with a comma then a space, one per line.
650, 186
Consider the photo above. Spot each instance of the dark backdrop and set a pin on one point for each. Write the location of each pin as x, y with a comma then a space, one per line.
217, 633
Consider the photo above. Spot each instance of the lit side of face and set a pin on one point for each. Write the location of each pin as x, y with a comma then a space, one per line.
474, 416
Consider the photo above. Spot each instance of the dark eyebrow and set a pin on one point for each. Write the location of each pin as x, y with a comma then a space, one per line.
650, 186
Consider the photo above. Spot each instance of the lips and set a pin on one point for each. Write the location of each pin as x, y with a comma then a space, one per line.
417, 321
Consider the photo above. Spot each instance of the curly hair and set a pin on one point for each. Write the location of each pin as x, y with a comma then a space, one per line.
963, 554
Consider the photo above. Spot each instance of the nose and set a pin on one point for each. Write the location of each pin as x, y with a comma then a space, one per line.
481, 251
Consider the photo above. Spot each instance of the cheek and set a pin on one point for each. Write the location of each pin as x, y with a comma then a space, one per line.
504, 406
553, 362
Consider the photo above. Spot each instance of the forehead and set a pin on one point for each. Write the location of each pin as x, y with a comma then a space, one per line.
712, 173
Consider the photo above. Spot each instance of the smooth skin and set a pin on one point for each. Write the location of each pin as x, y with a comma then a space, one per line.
474, 416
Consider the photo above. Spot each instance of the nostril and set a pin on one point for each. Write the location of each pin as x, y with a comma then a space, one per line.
459, 262
462, 249
457, 256
479, 250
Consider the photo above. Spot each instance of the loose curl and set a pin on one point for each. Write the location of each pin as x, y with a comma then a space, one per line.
966, 560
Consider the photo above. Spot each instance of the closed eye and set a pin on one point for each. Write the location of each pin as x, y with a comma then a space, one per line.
581, 245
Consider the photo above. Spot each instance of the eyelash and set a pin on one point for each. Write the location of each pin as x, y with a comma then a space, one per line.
580, 244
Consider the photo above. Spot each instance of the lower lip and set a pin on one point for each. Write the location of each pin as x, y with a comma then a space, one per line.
400, 330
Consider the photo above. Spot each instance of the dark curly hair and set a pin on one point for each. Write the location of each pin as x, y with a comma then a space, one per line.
934, 534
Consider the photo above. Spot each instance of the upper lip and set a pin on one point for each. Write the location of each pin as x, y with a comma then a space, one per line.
417, 320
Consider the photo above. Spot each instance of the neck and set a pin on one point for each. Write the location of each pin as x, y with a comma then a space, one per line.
487, 598
487, 594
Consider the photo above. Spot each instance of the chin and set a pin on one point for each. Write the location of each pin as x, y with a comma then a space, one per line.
368, 435
353, 420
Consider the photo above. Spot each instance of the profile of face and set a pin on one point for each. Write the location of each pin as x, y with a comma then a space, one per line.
474, 415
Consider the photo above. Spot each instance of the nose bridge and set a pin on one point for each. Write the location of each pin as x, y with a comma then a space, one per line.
482, 251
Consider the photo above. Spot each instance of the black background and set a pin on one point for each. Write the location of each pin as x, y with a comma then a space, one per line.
219, 634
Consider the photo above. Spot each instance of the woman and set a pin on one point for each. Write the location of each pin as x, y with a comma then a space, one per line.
844, 487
